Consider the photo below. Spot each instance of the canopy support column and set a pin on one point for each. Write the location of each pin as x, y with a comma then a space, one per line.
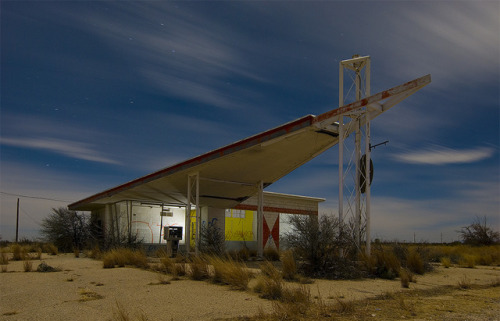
260, 220
193, 197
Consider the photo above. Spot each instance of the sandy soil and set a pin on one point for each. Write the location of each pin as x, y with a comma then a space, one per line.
83, 290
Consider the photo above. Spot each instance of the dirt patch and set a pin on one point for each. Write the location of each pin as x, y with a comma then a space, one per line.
83, 289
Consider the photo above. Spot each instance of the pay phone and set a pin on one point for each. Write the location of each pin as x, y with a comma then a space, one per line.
172, 234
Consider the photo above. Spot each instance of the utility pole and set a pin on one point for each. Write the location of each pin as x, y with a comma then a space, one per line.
17, 221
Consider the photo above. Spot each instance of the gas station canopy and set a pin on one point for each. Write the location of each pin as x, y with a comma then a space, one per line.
231, 174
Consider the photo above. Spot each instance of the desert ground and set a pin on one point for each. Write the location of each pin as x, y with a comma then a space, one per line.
84, 290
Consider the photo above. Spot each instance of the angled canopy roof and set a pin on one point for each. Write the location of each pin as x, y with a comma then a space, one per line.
231, 174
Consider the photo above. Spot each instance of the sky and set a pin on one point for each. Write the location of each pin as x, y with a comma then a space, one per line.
97, 93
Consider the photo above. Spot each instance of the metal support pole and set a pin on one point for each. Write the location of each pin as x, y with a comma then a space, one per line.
341, 152
198, 214
357, 214
367, 183
17, 221
368, 160
187, 235
260, 222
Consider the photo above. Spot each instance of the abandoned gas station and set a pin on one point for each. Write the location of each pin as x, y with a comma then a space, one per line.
225, 187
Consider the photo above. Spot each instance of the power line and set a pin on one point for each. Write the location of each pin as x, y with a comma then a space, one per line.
35, 197
24, 211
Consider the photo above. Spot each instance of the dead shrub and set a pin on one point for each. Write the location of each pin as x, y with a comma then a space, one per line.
44, 267
316, 244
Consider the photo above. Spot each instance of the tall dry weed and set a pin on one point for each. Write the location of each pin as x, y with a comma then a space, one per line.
415, 262
4, 258
198, 269
289, 267
27, 266
123, 256
230, 272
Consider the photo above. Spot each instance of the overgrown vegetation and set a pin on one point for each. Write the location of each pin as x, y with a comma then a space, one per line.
124, 256
317, 246
479, 233
212, 240
66, 229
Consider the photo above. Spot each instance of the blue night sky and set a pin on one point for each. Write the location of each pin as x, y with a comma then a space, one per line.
97, 93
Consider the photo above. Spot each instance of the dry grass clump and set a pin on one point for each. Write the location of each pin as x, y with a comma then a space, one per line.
289, 269
406, 276
198, 269
230, 272
383, 263
50, 248
19, 252
124, 256
468, 261
4, 268
94, 253
270, 283
271, 254
294, 301
4, 258
414, 262
167, 263
464, 283
173, 267
446, 262
27, 266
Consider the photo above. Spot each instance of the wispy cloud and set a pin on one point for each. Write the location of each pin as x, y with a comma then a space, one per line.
439, 155
438, 37
173, 50
67, 148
